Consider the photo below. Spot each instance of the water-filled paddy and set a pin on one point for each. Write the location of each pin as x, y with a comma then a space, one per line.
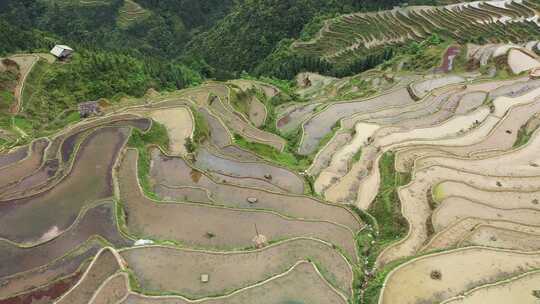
174, 172
24, 167
99, 220
301, 284
103, 266
277, 176
167, 269
54, 210
321, 124
14, 156
72, 262
213, 227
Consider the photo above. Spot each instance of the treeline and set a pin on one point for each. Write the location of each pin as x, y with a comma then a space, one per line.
284, 63
14, 39
63, 19
92, 75
195, 14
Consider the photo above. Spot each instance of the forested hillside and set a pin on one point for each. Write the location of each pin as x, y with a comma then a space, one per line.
245, 37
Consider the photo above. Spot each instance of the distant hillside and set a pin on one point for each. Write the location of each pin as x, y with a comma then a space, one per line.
350, 36
255, 28
140, 27
347, 41
131, 12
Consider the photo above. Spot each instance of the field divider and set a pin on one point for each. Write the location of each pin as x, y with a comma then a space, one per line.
117, 257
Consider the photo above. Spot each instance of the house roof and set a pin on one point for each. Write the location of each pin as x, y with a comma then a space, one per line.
59, 49
88, 107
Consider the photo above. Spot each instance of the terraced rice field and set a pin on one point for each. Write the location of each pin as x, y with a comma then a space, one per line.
99, 220
321, 124
207, 226
53, 211
515, 289
427, 191
300, 284
178, 271
440, 276
113, 290
130, 13
105, 264
371, 32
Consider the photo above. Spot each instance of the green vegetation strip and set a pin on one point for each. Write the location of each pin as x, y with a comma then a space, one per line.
156, 136
385, 225
286, 158
201, 131
523, 136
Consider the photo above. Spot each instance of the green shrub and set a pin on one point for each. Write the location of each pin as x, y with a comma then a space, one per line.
285, 158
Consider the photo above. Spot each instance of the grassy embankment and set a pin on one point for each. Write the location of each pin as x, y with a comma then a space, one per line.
523, 136
157, 136
288, 157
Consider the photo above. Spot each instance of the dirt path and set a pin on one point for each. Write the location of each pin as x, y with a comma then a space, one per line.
26, 63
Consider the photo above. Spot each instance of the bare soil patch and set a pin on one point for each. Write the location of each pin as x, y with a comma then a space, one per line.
179, 124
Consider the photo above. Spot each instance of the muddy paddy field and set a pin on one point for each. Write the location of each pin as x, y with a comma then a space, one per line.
427, 192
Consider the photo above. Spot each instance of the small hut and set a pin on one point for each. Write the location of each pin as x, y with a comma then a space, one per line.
62, 52
89, 108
